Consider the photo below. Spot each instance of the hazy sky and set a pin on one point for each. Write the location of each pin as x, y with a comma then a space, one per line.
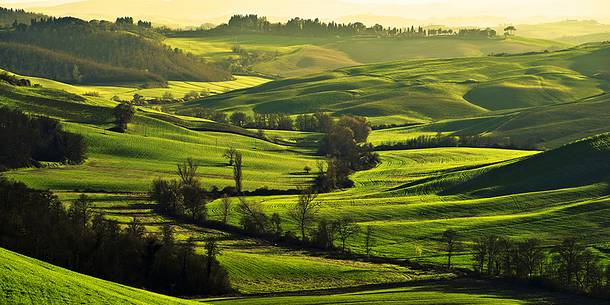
511, 10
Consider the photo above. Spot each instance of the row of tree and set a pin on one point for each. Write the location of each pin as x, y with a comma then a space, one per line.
314, 27
569, 265
28, 140
36, 223
82, 44
440, 140
9, 17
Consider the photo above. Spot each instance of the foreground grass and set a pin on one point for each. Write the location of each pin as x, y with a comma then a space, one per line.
454, 292
25, 280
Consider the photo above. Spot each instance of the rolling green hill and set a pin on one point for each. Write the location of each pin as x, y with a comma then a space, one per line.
543, 127
292, 56
584, 162
428, 90
76, 51
25, 280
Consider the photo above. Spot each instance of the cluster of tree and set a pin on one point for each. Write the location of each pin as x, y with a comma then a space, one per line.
245, 60
569, 265
345, 145
128, 21
36, 61
13, 17
319, 121
440, 140
37, 224
185, 197
315, 27
477, 33
74, 40
14, 80
313, 231
123, 114
28, 140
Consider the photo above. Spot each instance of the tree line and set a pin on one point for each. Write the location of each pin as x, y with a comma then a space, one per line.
314, 27
35, 223
316, 122
569, 265
12, 17
440, 140
28, 140
81, 45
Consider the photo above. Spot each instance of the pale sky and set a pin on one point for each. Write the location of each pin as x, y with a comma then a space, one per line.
510, 10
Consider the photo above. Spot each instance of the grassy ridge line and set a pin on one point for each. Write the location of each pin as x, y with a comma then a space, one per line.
25, 280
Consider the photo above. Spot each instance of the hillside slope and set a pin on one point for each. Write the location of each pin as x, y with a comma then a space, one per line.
76, 51
427, 90
544, 127
581, 163
25, 280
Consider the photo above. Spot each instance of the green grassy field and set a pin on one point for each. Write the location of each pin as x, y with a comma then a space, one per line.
456, 292
431, 90
298, 56
177, 88
409, 199
25, 280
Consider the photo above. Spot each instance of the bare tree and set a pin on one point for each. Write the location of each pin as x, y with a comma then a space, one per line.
253, 219
230, 155
187, 171
237, 172
450, 238
211, 251
369, 243
225, 206
345, 228
305, 210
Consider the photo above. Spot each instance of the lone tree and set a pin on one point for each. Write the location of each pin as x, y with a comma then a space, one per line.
80, 211
510, 31
225, 206
305, 210
450, 238
369, 243
211, 251
345, 228
190, 187
230, 155
123, 114
237, 171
